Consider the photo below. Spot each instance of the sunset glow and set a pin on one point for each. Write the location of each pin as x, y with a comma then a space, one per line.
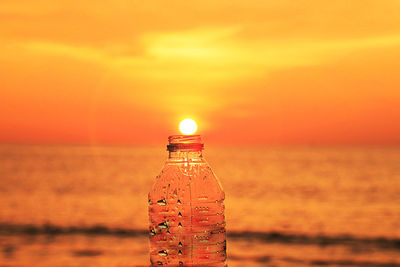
271, 72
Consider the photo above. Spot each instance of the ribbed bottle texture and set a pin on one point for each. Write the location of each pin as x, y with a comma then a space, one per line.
186, 209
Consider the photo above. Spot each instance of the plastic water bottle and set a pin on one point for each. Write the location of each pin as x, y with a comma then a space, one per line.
186, 209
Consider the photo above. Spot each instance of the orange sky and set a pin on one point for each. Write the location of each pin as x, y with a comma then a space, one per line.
273, 72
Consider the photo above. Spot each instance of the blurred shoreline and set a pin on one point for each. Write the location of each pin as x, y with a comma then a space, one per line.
50, 245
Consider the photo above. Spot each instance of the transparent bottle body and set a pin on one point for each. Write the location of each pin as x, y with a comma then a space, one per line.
186, 210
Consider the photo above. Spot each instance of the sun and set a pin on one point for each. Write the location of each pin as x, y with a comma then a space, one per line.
188, 126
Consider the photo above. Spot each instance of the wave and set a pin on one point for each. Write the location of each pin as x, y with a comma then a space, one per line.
51, 229
263, 237
319, 240
313, 262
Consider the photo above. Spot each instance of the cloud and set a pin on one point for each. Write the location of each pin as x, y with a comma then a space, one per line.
189, 68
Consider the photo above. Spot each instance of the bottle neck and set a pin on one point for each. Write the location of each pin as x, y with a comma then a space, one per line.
185, 155
185, 147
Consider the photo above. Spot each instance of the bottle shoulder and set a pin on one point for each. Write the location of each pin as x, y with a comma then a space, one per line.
194, 180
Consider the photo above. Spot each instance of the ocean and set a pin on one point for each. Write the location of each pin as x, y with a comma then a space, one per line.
285, 206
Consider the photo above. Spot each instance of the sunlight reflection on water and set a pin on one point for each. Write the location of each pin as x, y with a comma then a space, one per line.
312, 193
